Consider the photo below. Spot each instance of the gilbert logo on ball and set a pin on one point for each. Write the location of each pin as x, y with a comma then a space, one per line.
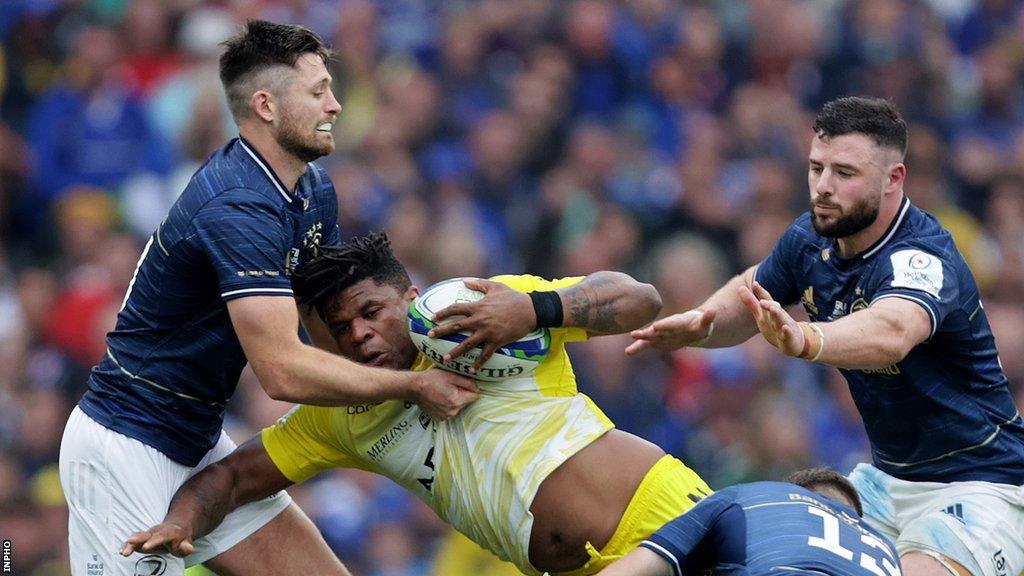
514, 360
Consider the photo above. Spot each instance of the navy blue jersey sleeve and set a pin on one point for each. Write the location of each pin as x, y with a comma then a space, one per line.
776, 272
692, 541
244, 236
919, 274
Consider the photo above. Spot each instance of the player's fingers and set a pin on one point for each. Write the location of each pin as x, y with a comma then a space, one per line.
472, 341
761, 293
637, 347
750, 301
707, 318
467, 384
681, 321
158, 540
645, 333
460, 309
185, 548
478, 284
134, 542
488, 351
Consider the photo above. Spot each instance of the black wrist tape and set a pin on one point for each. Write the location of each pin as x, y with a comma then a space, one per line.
548, 308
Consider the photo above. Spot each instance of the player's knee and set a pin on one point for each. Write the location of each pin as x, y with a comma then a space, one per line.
922, 563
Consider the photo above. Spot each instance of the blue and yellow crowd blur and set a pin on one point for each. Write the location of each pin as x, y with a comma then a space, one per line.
666, 138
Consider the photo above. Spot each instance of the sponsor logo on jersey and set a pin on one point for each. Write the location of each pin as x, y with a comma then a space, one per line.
383, 444
291, 261
858, 304
893, 370
94, 568
838, 311
808, 301
999, 561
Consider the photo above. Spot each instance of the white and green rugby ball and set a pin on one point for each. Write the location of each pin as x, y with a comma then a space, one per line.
514, 360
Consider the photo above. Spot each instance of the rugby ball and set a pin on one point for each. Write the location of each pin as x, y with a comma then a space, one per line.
514, 360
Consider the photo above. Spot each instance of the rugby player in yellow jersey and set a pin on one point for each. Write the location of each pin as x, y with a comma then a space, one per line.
532, 471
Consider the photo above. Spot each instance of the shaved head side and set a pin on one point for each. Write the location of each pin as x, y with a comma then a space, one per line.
874, 117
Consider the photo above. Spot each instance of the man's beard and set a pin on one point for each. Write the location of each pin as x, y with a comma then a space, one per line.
862, 215
292, 139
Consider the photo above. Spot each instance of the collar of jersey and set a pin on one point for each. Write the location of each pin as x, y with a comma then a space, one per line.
889, 233
265, 166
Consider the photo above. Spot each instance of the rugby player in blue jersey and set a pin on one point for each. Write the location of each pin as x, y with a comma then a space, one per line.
811, 525
893, 306
211, 292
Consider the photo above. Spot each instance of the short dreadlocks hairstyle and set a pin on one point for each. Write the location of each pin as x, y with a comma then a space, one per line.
874, 117
824, 480
318, 283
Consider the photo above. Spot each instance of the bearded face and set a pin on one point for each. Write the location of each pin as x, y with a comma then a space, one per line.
307, 110
833, 220
302, 137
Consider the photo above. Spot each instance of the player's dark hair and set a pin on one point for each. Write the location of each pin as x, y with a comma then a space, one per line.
874, 117
824, 480
318, 283
260, 46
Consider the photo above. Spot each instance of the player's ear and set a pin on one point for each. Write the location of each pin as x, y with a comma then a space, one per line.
897, 176
411, 292
264, 105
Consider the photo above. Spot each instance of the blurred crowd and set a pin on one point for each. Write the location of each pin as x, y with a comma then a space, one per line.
666, 138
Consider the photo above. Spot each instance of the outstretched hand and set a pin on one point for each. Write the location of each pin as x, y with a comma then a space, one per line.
165, 537
502, 316
775, 324
673, 332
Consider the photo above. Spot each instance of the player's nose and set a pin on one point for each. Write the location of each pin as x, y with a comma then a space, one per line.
823, 184
360, 331
333, 107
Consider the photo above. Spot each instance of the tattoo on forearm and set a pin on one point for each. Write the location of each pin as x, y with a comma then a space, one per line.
589, 311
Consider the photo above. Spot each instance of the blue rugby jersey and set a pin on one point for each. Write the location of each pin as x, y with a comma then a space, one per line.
173, 359
944, 413
771, 528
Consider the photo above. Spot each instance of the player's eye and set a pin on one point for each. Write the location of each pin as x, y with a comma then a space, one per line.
816, 169
338, 328
371, 313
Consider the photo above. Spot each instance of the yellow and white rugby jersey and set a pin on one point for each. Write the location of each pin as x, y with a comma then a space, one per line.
479, 471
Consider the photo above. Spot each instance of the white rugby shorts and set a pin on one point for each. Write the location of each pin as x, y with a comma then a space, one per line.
116, 486
978, 524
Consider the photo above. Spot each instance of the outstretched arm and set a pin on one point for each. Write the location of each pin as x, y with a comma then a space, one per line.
869, 339
719, 322
602, 303
289, 370
199, 506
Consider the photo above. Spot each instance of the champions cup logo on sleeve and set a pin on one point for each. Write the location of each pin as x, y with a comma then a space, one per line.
916, 270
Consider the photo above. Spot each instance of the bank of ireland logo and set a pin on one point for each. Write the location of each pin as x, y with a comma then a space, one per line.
151, 565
